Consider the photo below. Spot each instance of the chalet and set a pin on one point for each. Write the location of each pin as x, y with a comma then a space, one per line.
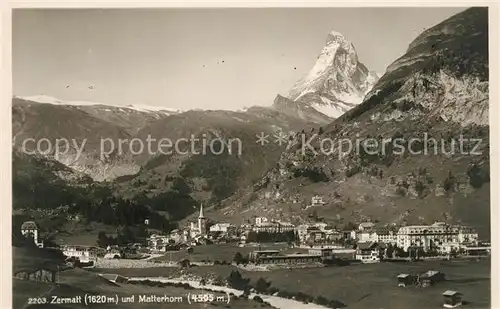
315, 236
349, 234
368, 252
366, 226
332, 235
42, 274
261, 220
430, 277
452, 299
405, 279
84, 254
226, 228
321, 251
317, 200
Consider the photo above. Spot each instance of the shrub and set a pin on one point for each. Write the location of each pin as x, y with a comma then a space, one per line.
258, 299
420, 188
236, 281
320, 300
349, 172
262, 286
449, 183
477, 176
313, 173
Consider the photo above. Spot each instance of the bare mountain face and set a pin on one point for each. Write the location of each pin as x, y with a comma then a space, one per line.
423, 139
337, 82
131, 173
40, 125
211, 175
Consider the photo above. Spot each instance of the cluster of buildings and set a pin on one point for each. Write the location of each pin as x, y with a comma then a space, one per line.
439, 236
367, 238
83, 254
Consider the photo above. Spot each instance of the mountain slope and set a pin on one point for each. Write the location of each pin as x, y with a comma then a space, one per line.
337, 82
212, 176
36, 126
434, 94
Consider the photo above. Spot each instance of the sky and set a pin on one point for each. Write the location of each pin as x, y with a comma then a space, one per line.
196, 58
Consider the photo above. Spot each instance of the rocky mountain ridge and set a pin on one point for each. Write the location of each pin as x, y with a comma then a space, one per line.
438, 90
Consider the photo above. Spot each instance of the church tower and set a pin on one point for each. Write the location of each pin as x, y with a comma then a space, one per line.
202, 222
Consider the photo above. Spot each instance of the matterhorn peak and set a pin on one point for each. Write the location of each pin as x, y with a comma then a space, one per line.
335, 36
337, 82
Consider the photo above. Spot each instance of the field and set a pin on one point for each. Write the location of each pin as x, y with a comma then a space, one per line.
78, 282
367, 286
219, 252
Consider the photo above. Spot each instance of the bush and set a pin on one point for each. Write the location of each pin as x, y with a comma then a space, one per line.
285, 294
420, 188
477, 176
303, 297
449, 183
262, 286
349, 172
258, 299
336, 304
236, 281
313, 173
320, 300
271, 290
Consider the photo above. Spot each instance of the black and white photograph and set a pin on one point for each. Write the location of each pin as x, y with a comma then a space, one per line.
251, 157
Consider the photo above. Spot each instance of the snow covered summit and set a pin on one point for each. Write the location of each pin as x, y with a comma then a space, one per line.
45, 99
337, 82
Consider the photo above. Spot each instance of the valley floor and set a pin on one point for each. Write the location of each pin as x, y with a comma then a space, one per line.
363, 286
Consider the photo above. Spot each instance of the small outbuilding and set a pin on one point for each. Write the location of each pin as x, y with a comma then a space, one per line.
452, 299
405, 279
431, 277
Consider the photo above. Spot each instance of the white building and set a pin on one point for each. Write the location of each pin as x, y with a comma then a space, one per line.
368, 236
226, 228
286, 226
302, 232
467, 235
30, 228
261, 220
321, 225
273, 227
387, 236
158, 243
368, 252
317, 200
441, 236
82, 253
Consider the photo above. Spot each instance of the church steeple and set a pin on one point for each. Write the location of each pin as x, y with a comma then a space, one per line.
202, 222
201, 211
